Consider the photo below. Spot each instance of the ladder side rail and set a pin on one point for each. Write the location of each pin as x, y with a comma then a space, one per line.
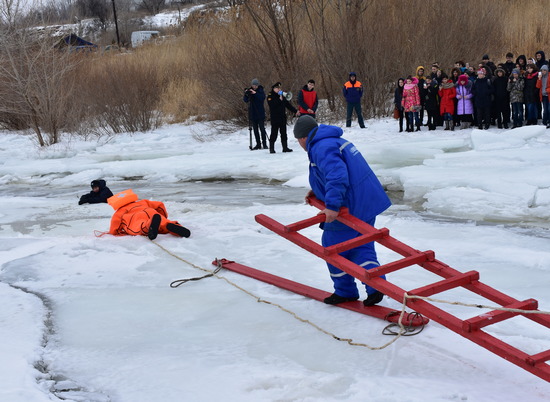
534, 364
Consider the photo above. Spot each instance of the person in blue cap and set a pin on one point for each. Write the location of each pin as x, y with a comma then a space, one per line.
340, 177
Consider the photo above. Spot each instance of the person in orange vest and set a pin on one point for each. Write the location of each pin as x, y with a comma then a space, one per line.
307, 99
353, 91
141, 217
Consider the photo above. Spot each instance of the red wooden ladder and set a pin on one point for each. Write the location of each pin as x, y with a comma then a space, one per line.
471, 328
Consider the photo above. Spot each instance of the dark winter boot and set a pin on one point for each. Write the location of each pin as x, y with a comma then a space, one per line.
271, 147
178, 230
258, 146
285, 145
335, 299
154, 227
418, 128
373, 299
265, 145
447, 125
452, 127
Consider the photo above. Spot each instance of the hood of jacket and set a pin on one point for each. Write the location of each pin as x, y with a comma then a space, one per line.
327, 131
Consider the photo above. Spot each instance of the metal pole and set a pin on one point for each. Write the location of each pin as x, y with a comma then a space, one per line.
116, 25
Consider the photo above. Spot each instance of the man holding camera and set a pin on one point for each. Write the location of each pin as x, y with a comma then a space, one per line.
255, 97
277, 101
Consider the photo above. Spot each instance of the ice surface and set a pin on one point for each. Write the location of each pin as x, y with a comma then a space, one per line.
94, 319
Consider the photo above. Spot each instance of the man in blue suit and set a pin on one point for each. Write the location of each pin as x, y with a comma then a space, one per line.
340, 177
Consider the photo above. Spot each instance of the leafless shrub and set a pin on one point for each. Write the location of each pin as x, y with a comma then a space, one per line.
122, 94
37, 84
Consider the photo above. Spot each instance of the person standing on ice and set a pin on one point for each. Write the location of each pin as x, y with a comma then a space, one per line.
141, 218
340, 177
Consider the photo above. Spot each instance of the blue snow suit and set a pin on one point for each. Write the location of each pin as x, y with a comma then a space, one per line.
340, 177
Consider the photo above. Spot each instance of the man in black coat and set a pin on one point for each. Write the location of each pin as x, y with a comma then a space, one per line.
255, 97
100, 192
277, 105
482, 91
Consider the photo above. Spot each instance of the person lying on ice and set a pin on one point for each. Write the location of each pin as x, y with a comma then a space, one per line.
100, 192
141, 218
340, 177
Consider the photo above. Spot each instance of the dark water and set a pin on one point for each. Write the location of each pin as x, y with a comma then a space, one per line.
246, 192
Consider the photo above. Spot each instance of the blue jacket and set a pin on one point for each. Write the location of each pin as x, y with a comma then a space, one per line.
353, 91
340, 176
256, 110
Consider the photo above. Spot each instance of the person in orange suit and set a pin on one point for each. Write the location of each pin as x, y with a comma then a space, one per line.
141, 217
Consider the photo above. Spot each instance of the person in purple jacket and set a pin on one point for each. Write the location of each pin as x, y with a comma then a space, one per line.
464, 105
340, 177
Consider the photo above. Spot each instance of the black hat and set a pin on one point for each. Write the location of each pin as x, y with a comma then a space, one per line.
304, 125
95, 183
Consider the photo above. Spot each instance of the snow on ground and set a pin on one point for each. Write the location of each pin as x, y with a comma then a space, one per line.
88, 318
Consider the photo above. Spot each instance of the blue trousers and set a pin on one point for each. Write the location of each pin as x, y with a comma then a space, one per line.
517, 113
365, 256
531, 109
357, 107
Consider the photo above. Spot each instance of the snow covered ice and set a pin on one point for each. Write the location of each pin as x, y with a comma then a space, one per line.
88, 318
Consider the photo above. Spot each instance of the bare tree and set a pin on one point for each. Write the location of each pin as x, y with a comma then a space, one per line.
36, 85
276, 21
152, 6
11, 11
99, 9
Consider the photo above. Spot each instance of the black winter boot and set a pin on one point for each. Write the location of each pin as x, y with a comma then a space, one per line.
178, 230
373, 299
335, 299
271, 147
154, 227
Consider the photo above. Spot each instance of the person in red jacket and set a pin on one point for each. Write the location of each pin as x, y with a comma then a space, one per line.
141, 218
307, 99
447, 95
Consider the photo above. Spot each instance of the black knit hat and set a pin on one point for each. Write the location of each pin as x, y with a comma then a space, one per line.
94, 183
303, 126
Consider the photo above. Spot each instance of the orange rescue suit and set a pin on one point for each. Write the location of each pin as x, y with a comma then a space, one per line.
135, 218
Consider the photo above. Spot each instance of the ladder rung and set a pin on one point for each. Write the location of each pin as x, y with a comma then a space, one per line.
355, 242
539, 358
492, 317
294, 227
446, 284
418, 258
